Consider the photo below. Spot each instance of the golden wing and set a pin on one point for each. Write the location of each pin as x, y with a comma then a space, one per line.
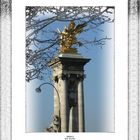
71, 26
79, 28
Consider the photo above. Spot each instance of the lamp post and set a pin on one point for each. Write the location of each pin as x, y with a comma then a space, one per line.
53, 123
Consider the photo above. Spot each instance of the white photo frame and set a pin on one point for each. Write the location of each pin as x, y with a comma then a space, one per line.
6, 131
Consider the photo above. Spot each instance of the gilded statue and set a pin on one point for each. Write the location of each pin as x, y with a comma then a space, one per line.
68, 37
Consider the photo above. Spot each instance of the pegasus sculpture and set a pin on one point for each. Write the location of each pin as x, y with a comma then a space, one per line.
68, 37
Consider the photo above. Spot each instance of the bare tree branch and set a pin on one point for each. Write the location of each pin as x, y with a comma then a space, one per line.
42, 38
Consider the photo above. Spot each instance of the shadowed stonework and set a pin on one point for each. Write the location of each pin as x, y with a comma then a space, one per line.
68, 75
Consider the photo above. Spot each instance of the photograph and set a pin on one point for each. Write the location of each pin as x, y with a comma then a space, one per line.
70, 69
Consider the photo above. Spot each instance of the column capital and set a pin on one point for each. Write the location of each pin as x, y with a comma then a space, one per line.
81, 77
67, 76
60, 76
64, 76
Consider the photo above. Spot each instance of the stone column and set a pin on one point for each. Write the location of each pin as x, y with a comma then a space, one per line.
71, 120
81, 105
56, 99
63, 101
69, 71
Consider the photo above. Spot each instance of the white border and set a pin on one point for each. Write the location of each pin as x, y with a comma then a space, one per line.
121, 70
134, 99
5, 71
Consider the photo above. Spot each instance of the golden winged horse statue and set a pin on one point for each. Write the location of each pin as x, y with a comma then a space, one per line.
68, 37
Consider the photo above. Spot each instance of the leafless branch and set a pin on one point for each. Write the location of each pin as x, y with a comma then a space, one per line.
42, 38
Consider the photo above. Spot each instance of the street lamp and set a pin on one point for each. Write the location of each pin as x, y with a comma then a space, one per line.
53, 126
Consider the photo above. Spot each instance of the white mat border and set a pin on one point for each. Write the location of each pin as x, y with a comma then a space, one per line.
6, 70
